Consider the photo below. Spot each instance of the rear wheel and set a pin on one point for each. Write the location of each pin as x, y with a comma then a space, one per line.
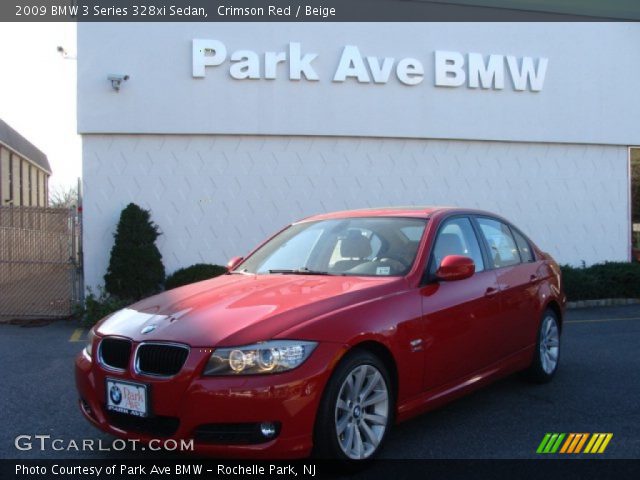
357, 409
547, 354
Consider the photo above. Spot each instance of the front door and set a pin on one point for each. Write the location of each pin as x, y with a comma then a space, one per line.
458, 316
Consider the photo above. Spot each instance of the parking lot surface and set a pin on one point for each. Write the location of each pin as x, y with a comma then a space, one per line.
596, 390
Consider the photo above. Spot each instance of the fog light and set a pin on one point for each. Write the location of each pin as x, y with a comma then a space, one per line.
268, 429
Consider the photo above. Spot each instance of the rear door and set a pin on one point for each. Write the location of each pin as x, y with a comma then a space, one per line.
458, 316
518, 283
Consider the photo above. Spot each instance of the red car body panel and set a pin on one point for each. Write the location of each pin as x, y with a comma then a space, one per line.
469, 332
233, 310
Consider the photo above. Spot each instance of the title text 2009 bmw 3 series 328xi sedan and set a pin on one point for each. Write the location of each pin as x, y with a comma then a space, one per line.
327, 334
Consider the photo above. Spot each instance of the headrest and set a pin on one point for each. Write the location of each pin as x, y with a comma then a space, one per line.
355, 245
448, 244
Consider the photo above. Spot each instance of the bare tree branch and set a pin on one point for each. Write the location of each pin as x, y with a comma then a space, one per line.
63, 197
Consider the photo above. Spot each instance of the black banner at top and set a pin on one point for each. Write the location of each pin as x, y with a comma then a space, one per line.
317, 10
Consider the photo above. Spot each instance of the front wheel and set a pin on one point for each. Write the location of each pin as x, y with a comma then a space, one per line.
356, 410
547, 354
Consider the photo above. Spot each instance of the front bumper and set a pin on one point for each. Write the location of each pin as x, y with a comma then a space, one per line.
190, 400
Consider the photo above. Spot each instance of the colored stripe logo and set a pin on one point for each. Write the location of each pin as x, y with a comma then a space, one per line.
574, 443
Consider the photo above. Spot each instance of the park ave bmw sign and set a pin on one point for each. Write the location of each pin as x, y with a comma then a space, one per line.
450, 68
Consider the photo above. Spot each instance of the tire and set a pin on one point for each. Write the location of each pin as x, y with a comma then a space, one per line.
546, 357
364, 418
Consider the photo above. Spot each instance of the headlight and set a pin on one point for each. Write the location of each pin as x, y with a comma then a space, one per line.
268, 357
90, 338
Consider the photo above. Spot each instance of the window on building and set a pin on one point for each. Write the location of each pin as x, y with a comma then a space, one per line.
34, 187
37, 188
22, 179
9, 197
30, 183
15, 174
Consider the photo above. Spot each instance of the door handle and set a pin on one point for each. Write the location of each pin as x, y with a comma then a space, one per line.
490, 292
533, 278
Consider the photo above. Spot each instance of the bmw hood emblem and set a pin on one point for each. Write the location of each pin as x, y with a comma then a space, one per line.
148, 329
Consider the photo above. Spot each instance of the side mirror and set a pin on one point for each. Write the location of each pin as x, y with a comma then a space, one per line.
455, 267
233, 263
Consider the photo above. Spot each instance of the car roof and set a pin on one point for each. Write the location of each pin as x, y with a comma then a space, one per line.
410, 211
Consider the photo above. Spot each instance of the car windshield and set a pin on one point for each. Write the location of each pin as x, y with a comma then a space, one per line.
362, 246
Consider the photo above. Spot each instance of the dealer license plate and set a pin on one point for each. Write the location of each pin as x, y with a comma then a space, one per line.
127, 397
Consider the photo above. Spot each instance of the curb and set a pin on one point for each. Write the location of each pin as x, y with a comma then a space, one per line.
30, 320
603, 302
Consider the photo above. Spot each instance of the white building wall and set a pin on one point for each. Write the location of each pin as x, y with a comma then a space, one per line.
215, 197
590, 92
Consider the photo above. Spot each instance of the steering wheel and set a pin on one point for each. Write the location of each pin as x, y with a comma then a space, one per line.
385, 258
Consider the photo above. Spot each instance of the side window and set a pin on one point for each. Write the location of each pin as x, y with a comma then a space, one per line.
523, 246
456, 237
502, 246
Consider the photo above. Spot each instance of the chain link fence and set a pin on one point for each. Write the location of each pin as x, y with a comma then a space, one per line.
40, 267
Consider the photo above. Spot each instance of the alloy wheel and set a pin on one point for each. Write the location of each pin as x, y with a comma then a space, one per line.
549, 344
362, 412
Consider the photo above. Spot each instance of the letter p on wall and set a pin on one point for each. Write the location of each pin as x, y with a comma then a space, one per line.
207, 53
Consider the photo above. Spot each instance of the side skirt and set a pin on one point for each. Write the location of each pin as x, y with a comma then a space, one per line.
442, 395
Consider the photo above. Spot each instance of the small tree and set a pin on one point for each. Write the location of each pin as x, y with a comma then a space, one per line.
63, 197
635, 184
135, 268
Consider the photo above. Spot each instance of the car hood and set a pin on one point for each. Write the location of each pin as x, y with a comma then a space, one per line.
233, 310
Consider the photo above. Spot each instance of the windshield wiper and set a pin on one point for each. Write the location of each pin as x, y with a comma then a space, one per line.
299, 271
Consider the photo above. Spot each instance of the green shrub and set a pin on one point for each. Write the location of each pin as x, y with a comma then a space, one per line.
135, 268
192, 274
98, 306
603, 280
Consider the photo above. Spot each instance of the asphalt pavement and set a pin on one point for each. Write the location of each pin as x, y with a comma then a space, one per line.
596, 390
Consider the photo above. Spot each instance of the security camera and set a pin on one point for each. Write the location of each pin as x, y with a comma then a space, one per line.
64, 54
116, 80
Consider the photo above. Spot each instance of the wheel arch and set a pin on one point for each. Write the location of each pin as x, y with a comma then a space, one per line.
383, 352
554, 306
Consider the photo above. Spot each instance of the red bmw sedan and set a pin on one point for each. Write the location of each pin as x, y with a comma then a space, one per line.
327, 334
